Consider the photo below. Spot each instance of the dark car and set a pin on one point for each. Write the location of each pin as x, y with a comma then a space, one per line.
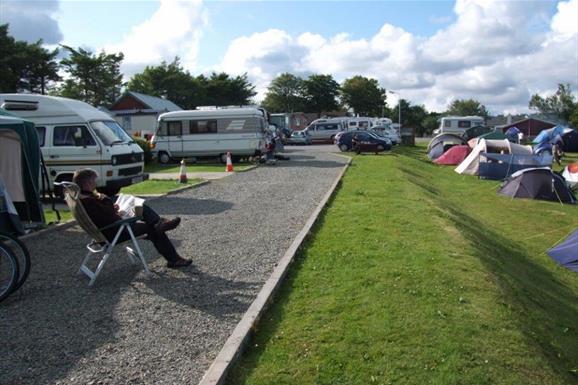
380, 143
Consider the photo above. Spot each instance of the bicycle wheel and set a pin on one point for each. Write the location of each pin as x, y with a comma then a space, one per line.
8, 271
22, 256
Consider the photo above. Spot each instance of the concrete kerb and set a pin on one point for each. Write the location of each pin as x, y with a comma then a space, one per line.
66, 225
238, 340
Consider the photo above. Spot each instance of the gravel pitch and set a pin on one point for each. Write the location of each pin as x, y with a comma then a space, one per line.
165, 328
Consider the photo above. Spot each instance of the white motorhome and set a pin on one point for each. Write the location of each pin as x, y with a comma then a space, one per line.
458, 124
212, 132
73, 134
360, 123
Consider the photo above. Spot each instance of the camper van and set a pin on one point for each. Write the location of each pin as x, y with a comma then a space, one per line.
360, 123
73, 134
324, 130
208, 133
458, 124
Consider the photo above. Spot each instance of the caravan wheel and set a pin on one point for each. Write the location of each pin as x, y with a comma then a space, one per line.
164, 158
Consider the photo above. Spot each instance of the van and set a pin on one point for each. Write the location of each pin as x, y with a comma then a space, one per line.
73, 134
324, 130
209, 133
458, 124
360, 123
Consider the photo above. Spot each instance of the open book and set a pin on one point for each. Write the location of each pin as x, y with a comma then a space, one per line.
129, 205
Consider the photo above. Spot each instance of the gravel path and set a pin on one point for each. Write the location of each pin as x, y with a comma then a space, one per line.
168, 327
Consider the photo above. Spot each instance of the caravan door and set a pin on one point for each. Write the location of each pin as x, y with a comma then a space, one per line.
175, 136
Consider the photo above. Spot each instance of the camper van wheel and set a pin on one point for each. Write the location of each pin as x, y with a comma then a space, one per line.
343, 147
164, 158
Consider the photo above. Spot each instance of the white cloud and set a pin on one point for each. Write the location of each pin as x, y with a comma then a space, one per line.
31, 20
173, 30
499, 52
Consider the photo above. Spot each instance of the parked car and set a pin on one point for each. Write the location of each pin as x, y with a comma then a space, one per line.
299, 137
324, 131
387, 132
381, 143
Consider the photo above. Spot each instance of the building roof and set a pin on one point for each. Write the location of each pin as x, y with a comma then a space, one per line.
153, 103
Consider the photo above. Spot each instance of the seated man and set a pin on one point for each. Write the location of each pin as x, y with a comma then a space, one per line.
102, 211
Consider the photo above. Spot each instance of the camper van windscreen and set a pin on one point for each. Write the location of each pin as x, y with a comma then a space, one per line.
110, 132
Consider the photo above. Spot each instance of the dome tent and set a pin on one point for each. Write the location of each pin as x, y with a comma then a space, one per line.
441, 143
538, 183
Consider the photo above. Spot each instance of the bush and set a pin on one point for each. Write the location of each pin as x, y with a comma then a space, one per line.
145, 145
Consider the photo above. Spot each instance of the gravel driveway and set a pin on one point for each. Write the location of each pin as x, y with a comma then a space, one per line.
168, 327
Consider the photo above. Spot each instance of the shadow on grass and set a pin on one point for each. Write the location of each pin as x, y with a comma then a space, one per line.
544, 307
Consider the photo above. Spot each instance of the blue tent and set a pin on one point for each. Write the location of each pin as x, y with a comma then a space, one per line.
549, 135
566, 253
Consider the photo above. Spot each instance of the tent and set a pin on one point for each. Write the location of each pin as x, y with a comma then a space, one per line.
537, 183
470, 165
441, 143
548, 135
493, 135
566, 252
475, 131
570, 140
512, 134
20, 159
501, 166
454, 155
570, 173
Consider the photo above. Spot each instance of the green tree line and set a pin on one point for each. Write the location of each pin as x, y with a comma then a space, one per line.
96, 79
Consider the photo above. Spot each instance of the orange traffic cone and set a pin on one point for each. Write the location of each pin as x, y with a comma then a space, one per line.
229, 163
183, 172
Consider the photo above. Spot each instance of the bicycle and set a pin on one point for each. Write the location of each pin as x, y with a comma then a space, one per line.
9, 271
22, 255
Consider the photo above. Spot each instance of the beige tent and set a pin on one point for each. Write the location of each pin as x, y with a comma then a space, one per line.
471, 164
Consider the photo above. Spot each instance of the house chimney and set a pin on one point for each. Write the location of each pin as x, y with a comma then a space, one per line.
509, 119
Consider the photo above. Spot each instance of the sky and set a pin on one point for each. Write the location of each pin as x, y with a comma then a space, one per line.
428, 52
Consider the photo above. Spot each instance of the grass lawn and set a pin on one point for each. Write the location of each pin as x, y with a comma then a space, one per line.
201, 167
418, 275
50, 215
156, 186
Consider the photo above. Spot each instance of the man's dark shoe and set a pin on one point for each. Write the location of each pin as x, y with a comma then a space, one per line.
180, 262
167, 225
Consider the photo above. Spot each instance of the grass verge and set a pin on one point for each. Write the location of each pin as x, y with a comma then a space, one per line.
157, 186
50, 216
202, 167
418, 275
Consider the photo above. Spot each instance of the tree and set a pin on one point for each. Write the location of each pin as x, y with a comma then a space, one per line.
430, 123
95, 79
170, 81
285, 94
320, 93
223, 90
363, 95
561, 103
574, 117
467, 107
25, 67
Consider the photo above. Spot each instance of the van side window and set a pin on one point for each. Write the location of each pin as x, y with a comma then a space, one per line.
41, 131
464, 124
447, 123
202, 126
175, 128
327, 127
73, 136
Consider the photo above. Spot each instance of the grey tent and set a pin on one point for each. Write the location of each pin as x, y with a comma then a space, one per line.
441, 143
501, 166
570, 140
538, 183
474, 132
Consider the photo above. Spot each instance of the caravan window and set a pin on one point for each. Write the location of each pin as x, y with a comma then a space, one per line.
41, 131
73, 136
327, 127
447, 123
464, 124
175, 128
202, 126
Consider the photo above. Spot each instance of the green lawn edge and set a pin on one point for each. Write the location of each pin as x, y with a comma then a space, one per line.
418, 275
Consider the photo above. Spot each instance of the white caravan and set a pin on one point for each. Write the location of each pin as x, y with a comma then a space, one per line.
360, 123
458, 124
73, 134
214, 132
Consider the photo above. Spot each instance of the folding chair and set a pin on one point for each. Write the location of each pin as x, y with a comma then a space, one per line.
99, 243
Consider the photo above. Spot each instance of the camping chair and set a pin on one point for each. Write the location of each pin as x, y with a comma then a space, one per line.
99, 243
